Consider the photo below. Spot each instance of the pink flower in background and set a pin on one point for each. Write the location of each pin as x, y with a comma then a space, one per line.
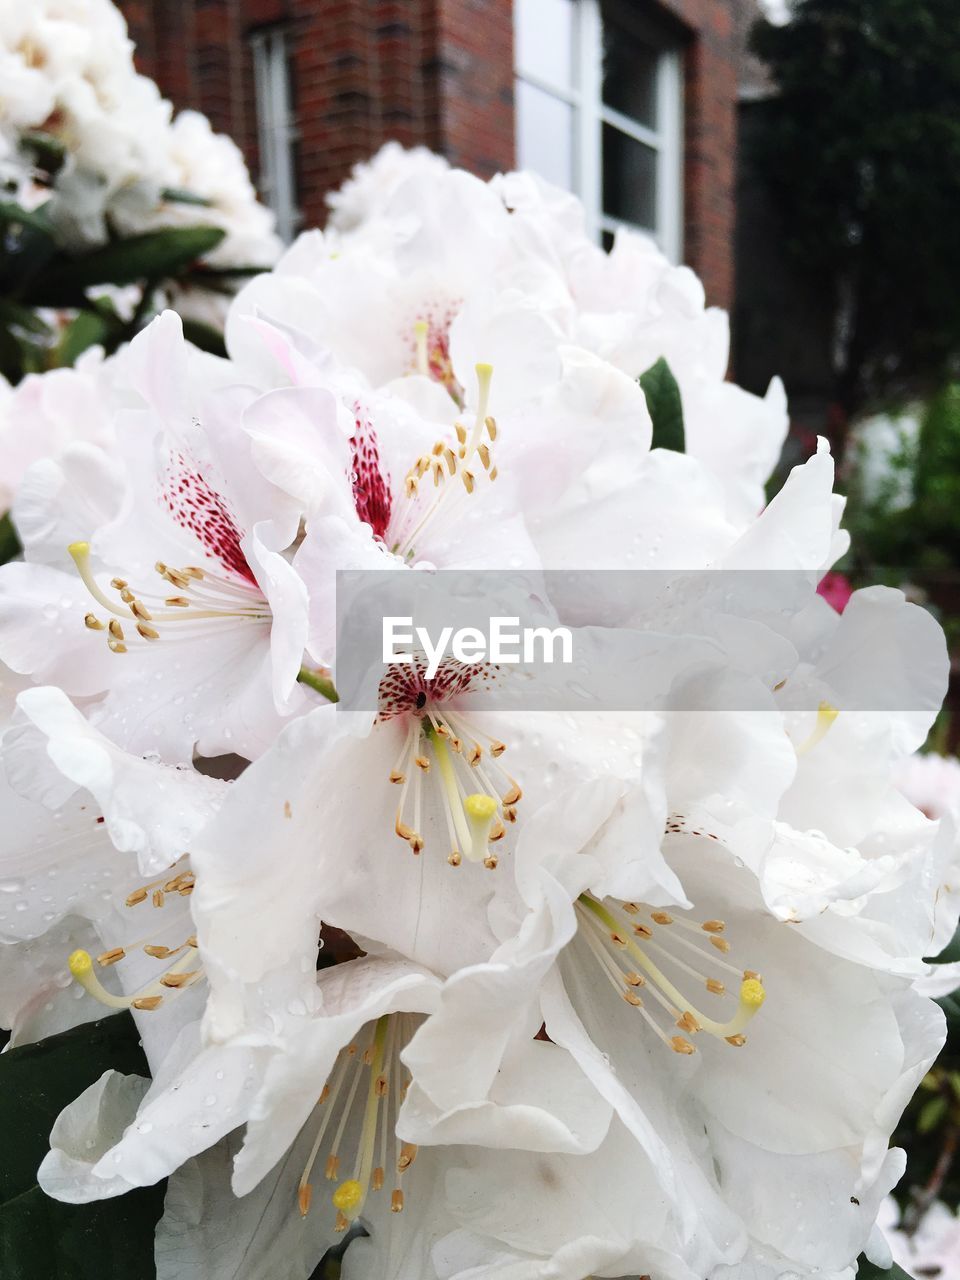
836, 590
931, 782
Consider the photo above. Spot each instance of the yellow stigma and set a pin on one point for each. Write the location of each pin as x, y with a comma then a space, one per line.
480, 807
348, 1196
826, 714
80, 964
480, 810
752, 993
79, 550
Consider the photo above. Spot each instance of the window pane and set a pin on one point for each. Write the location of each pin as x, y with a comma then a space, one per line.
629, 72
544, 35
629, 179
544, 135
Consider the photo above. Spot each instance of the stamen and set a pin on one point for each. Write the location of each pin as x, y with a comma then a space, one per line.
688, 1016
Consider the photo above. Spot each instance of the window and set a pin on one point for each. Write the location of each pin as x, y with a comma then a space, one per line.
277, 129
599, 111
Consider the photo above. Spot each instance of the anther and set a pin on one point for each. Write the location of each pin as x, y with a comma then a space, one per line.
688, 1023
468, 481
333, 1167
737, 1041
422, 763
118, 584
679, 1045
721, 944
718, 988
491, 425
713, 926
147, 1003
111, 957
631, 997
158, 952
396, 1201
304, 1196
397, 777
408, 1153
93, 623
661, 917
116, 646
138, 896
148, 633
158, 897
141, 611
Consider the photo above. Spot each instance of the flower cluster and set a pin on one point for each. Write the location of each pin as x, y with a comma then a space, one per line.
523, 993
72, 105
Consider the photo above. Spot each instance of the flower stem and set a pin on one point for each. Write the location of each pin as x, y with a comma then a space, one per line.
320, 683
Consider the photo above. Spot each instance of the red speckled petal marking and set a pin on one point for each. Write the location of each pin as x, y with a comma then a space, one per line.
405, 688
371, 488
197, 508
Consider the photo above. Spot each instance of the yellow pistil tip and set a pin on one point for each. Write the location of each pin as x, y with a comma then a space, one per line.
484, 370
79, 550
480, 806
827, 712
348, 1196
752, 993
420, 327
80, 964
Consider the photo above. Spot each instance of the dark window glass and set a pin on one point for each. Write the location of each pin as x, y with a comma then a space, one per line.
629, 179
629, 73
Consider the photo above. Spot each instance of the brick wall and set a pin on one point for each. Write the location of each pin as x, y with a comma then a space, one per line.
711, 60
365, 71
433, 71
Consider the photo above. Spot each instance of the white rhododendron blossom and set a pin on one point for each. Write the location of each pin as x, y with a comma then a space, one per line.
67, 77
628, 981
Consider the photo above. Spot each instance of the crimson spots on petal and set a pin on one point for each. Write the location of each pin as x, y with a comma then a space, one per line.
371, 488
198, 509
405, 689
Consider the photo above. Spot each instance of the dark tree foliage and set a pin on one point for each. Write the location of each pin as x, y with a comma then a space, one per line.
861, 149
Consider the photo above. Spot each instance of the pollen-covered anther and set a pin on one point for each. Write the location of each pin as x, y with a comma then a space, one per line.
631, 997
138, 896
721, 944
304, 1196
178, 980
713, 926
397, 778
661, 917
468, 480
396, 1201
422, 763
454, 858
107, 958
737, 1041
491, 862
148, 633
147, 1003
687, 1022
717, 987
408, 1153
93, 623
679, 1045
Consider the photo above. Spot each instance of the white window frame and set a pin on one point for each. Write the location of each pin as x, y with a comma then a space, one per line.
590, 114
276, 128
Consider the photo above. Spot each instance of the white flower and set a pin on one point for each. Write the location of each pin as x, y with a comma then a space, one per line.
95, 852
368, 190
180, 606
931, 782
933, 1249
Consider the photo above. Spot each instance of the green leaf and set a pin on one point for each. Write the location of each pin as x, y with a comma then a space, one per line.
950, 953
665, 406
9, 542
40, 1237
205, 337
951, 1007
177, 195
931, 1113
157, 255
12, 213
868, 1271
86, 330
